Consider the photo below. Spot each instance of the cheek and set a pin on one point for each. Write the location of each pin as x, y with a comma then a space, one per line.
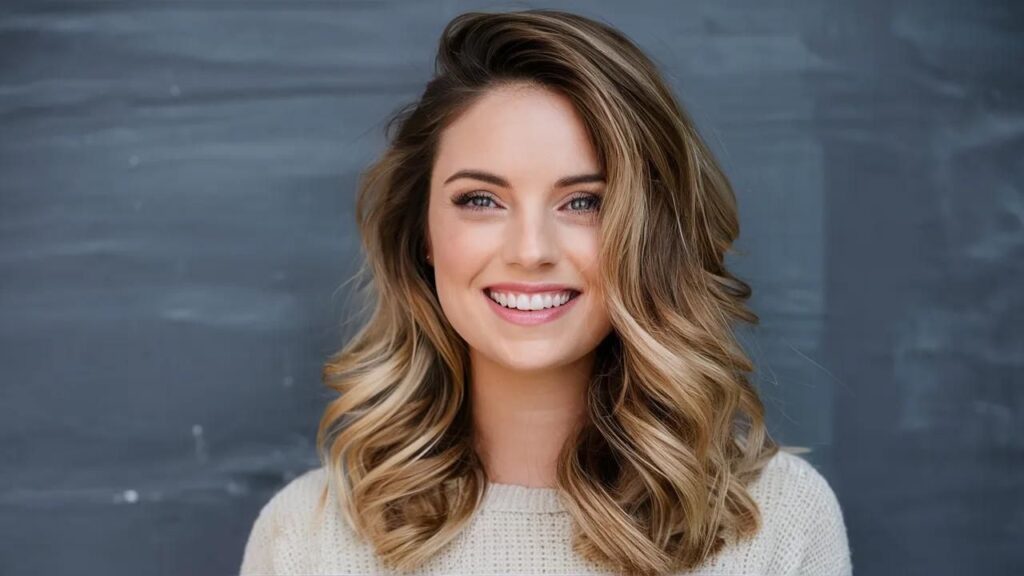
455, 245
582, 249
584, 252
460, 252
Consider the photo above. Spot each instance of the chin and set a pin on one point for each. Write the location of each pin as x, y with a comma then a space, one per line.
527, 361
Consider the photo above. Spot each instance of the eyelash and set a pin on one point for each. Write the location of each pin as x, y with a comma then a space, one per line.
464, 199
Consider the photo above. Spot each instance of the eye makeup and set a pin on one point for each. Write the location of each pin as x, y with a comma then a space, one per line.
474, 199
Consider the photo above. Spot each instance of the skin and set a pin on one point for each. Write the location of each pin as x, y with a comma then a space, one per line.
528, 383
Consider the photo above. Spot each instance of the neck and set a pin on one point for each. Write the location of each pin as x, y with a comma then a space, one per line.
521, 420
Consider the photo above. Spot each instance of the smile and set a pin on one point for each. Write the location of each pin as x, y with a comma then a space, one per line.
530, 309
536, 301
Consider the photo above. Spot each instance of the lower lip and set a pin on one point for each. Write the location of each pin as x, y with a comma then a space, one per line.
531, 317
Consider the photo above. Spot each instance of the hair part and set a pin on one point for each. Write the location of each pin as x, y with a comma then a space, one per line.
656, 476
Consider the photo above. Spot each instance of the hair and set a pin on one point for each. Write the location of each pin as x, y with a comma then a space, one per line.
655, 479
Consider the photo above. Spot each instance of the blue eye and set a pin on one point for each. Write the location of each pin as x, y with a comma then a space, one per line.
469, 200
595, 201
478, 201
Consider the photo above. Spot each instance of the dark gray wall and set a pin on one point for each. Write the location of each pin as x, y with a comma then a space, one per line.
176, 192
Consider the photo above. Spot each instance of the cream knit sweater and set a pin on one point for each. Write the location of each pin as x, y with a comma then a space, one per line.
522, 530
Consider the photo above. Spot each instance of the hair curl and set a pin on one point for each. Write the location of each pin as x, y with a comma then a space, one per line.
656, 476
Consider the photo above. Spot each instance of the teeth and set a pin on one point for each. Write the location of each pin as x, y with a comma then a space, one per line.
530, 301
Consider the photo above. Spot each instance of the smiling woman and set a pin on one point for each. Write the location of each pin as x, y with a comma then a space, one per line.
549, 381
536, 184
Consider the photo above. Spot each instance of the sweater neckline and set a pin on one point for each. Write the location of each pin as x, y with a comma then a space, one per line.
516, 498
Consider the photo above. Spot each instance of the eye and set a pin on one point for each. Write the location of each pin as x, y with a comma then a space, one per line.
478, 200
581, 201
473, 200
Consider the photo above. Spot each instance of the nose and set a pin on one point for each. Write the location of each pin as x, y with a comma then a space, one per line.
531, 240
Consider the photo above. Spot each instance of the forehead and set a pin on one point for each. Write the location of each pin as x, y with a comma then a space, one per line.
520, 132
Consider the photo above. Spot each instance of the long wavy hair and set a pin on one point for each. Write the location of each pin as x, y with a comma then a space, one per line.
655, 479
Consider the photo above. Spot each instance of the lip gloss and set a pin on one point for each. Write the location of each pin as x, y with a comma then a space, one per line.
531, 317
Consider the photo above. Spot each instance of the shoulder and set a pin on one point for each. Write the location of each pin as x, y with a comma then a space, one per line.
281, 535
791, 478
790, 489
300, 492
297, 503
799, 507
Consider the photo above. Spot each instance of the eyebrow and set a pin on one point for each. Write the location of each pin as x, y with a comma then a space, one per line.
499, 181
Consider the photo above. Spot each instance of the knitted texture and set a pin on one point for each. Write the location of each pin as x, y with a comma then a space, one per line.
523, 530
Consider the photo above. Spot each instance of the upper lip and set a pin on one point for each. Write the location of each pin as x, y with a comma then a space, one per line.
522, 288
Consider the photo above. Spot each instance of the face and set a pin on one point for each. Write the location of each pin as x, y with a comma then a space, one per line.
514, 197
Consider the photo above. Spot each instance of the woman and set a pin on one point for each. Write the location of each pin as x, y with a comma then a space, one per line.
549, 380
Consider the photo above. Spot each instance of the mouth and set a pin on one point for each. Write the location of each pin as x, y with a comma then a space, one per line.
528, 309
535, 301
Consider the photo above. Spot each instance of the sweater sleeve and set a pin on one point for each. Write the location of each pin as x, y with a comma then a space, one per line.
827, 550
258, 557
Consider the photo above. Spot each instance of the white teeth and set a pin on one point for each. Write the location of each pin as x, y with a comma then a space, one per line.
532, 301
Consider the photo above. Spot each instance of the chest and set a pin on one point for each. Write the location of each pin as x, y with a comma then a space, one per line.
511, 543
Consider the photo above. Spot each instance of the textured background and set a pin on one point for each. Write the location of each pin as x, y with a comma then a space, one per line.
176, 193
